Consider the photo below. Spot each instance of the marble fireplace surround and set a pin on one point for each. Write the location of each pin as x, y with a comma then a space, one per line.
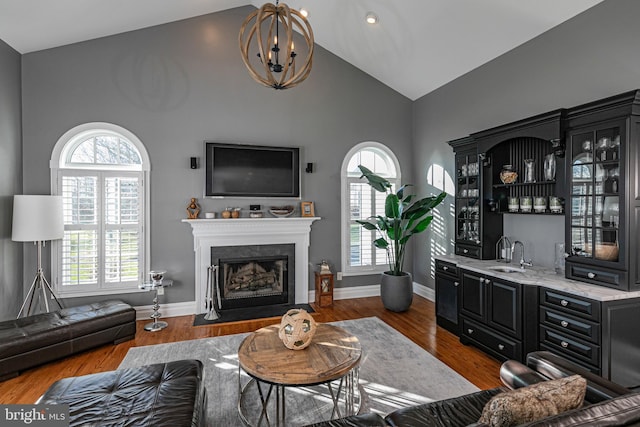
208, 233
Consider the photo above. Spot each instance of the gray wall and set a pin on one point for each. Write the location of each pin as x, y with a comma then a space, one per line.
181, 83
10, 181
589, 57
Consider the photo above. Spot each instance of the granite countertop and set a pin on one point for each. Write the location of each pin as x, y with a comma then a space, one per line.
539, 276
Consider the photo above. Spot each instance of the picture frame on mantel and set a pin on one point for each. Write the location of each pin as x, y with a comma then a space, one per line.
306, 209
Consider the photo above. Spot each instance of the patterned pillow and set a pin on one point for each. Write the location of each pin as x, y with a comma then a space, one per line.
534, 402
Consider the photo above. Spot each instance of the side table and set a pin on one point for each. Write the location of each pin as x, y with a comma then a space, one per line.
159, 289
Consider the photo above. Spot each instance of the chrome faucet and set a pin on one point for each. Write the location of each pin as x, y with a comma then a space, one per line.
523, 263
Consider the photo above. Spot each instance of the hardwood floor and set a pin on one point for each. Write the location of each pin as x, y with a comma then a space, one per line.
418, 324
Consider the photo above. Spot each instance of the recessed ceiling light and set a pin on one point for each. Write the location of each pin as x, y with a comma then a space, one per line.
304, 12
371, 18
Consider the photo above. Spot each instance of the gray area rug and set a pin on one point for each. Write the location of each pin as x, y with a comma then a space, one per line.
394, 373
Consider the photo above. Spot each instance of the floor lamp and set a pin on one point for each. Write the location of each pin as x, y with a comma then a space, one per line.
37, 219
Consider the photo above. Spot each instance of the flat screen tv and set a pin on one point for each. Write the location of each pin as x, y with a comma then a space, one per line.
236, 170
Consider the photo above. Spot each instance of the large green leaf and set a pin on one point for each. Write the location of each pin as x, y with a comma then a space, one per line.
377, 182
367, 225
380, 243
392, 206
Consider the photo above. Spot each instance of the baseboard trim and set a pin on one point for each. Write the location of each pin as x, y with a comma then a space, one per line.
187, 308
175, 309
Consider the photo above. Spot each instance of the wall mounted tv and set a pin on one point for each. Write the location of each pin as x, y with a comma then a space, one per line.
236, 170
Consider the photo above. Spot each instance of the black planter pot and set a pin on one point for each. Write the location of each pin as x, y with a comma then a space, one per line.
396, 291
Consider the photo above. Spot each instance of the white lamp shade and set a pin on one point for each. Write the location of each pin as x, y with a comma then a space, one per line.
37, 218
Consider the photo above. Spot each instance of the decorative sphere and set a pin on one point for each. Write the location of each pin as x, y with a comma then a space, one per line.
297, 329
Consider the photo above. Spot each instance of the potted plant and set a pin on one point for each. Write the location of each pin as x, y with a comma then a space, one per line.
403, 217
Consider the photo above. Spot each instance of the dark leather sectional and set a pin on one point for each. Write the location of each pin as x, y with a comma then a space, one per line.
30, 341
164, 394
606, 403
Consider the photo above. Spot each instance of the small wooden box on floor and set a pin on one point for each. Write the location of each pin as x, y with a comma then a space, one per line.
324, 289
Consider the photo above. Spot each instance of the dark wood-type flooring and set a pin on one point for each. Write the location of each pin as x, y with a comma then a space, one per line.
418, 324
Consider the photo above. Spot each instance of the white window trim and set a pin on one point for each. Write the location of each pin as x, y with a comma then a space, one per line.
58, 161
348, 270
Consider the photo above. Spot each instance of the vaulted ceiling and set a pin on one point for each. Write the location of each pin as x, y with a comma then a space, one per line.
416, 47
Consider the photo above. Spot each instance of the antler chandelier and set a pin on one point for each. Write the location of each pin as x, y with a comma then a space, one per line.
271, 29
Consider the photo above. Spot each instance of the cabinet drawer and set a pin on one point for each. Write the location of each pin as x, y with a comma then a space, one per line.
597, 275
446, 268
568, 324
492, 341
567, 344
571, 304
594, 369
467, 250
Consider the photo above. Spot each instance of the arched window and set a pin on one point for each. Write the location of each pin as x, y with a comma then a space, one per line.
100, 170
360, 201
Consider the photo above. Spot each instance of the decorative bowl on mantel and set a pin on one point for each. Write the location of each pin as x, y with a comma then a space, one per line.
281, 211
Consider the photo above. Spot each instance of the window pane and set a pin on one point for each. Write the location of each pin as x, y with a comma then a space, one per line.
107, 150
84, 152
121, 255
128, 154
121, 199
374, 160
79, 257
79, 200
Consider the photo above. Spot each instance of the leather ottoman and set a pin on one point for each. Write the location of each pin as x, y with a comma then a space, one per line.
30, 341
164, 394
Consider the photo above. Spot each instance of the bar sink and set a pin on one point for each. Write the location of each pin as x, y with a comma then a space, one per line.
506, 269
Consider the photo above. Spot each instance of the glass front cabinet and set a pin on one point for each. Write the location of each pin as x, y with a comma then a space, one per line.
601, 215
476, 227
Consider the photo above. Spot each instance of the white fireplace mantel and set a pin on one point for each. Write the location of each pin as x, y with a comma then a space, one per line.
208, 233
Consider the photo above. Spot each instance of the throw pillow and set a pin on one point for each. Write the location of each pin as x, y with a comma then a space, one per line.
534, 402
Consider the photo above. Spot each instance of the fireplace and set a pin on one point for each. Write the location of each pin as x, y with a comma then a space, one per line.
216, 233
254, 275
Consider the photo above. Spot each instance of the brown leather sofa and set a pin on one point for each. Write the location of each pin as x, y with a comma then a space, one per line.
606, 403
164, 394
30, 341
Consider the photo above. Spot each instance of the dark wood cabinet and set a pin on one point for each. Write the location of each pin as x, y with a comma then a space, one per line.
475, 226
598, 335
448, 293
602, 206
498, 316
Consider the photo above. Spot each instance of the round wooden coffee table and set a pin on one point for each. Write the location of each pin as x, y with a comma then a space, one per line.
332, 359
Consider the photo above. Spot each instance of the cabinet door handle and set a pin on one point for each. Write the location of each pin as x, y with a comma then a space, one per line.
464, 251
564, 303
470, 331
445, 268
456, 283
564, 344
591, 275
564, 323
500, 347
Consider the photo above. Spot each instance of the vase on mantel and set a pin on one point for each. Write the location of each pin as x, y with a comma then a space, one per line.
529, 173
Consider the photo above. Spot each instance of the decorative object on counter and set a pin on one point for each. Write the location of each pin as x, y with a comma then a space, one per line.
297, 329
555, 204
307, 209
529, 171
503, 249
193, 210
550, 167
210, 215
226, 213
235, 213
281, 211
560, 255
540, 204
403, 218
276, 64
157, 276
513, 204
508, 175
256, 214
525, 204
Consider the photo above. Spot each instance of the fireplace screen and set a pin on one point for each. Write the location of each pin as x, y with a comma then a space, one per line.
264, 277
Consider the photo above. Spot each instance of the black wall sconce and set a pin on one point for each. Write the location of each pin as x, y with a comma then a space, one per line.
194, 163
309, 168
